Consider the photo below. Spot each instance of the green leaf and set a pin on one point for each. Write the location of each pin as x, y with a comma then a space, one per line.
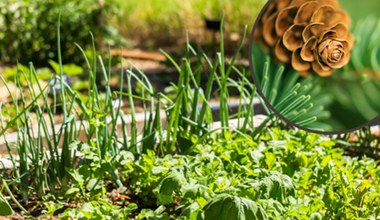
68, 69
270, 160
72, 191
168, 185
54, 65
191, 212
316, 216
72, 70
228, 207
275, 185
88, 210
77, 176
158, 214
93, 184
5, 208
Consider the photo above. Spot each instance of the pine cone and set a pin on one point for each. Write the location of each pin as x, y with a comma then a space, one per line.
309, 34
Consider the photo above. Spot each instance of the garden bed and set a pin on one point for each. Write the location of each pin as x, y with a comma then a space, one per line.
190, 151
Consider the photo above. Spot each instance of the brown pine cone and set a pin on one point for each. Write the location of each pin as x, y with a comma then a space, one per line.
309, 34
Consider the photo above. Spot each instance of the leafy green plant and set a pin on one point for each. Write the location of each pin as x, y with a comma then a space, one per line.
286, 174
189, 116
98, 210
46, 153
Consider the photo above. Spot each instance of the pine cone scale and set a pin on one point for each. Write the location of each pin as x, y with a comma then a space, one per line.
283, 54
298, 63
285, 20
340, 30
312, 30
269, 35
324, 14
307, 50
305, 12
321, 69
293, 38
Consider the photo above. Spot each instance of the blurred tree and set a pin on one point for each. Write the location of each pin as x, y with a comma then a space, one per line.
28, 30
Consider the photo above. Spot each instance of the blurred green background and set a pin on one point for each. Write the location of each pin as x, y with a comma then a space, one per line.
361, 9
356, 89
28, 28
